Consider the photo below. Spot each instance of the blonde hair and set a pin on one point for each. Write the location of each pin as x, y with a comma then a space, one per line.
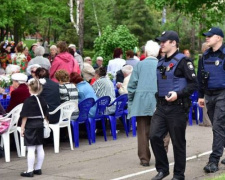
35, 85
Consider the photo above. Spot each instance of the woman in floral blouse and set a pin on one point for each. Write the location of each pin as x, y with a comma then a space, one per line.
20, 58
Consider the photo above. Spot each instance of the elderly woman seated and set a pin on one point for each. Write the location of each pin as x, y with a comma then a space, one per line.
88, 71
67, 90
84, 90
127, 70
39, 59
103, 86
21, 91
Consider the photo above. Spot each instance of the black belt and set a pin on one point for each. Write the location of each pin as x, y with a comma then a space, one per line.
213, 92
165, 102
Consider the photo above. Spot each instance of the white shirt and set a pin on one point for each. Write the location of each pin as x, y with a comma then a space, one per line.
115, 65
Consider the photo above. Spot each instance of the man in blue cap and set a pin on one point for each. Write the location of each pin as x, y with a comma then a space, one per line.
176, 81
211, 77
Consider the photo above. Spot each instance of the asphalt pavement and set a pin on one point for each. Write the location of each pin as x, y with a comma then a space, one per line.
113, 159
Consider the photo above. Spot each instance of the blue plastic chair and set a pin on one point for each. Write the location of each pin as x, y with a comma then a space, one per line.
101, 105
121, 103
84, 108
132, 122
197, 110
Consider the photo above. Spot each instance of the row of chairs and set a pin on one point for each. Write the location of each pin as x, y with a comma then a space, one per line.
101, 104
66, 109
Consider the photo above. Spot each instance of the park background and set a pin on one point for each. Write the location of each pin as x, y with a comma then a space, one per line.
98, 26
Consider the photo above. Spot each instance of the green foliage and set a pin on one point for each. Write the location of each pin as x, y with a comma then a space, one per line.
207, 12
111, 39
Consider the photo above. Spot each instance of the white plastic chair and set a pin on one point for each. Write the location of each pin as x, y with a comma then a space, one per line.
14, 115
66, 109
22, 147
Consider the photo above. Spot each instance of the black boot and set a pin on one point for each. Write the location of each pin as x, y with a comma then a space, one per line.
211, 167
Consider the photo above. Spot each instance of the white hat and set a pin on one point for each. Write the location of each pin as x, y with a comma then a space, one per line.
72, 45
12, 68
20, 77
32, 66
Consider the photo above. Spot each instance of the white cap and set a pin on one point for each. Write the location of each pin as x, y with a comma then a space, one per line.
20, 77
72, 45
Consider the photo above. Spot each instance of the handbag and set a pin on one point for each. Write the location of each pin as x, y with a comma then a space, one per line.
47, 129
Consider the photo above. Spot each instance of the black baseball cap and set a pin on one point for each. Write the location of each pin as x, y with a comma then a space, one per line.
168, 35
214, 31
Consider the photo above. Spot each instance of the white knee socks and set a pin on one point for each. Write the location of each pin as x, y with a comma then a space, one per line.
31, 157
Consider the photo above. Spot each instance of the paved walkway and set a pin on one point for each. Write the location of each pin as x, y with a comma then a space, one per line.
112, 160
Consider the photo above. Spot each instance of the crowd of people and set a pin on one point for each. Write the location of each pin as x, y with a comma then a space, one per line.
159, 81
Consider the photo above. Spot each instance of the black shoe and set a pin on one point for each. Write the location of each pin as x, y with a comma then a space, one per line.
38, 172
211, 167
27, 174
223, 161
144, 164
160, 175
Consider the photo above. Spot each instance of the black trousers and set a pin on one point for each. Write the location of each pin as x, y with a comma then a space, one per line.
172, 119
216, 111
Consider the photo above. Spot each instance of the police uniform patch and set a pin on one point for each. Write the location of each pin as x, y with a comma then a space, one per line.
190, 65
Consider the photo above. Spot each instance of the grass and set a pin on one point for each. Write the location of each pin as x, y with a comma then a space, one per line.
221, 177
29, 42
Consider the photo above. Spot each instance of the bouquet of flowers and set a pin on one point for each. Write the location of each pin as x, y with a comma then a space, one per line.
5, 81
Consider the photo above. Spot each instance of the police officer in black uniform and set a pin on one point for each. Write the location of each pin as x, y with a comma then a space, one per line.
176, 82
211, 78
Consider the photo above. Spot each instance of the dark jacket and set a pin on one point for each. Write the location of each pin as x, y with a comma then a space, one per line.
51, 95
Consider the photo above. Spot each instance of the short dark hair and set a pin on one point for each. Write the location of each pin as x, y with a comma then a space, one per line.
101, 71
62, 46
117, 52
130, 53
41, 73
75, 78
177, 44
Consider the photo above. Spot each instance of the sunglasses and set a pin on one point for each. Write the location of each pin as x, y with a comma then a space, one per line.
33, 71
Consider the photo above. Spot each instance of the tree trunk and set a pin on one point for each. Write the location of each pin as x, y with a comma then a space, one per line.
2, 35
16, 33
81, 26
75, 24
96, 18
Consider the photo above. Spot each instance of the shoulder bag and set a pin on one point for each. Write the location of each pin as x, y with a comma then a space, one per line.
47, 130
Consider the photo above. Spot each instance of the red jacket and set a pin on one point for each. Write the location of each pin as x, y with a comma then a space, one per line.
18, 96
64, 61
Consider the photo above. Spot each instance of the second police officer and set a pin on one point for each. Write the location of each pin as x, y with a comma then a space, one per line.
176, 82
211, 77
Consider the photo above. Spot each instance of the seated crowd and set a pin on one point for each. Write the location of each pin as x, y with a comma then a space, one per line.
67, 76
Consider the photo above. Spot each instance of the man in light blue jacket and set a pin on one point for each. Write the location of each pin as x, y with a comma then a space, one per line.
141, 98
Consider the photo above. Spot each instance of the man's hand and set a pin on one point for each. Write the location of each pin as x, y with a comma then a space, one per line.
172, 97
201, 102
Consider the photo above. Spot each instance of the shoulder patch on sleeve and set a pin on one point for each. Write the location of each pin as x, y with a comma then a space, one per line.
190, 65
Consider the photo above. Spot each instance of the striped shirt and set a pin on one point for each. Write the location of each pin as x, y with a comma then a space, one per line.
68, 91
104, 87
